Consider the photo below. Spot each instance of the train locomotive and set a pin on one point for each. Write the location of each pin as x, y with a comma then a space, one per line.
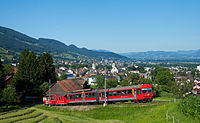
135, 93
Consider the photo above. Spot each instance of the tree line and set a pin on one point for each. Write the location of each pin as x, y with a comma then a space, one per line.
31, 79
162, 81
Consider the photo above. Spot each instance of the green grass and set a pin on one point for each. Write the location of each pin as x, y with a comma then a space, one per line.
163, 99
141, 114
154, 112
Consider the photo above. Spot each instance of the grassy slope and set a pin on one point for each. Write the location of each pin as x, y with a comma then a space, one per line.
140, 113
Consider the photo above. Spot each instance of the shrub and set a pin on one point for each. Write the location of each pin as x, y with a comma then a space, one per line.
191, 106
166, 94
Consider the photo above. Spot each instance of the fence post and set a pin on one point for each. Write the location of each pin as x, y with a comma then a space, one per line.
167, 115
173, 119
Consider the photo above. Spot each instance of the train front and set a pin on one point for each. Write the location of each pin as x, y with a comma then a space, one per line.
147, 93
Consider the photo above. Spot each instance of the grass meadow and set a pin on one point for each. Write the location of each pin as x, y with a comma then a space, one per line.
155, 112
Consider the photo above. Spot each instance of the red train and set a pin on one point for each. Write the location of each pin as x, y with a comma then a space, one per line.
136, 93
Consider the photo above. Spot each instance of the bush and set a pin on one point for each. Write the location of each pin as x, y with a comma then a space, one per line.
191, 106
166, 94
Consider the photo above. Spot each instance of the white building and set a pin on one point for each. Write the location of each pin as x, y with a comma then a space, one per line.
91, 81
62, 68
114, 69
147, 69
93, 66
198, 68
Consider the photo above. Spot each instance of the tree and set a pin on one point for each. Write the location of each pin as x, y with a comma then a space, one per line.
124, 83
27, 76
46, 68
8, 70
86, 85
111, 83
134, 78
63, 76
2, 75
43, 87
10, 96
164, 78
100, 82
141, 69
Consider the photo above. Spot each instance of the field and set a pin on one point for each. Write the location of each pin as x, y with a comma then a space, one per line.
154, 112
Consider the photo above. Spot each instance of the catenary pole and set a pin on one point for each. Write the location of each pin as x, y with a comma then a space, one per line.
49, 90
105, 88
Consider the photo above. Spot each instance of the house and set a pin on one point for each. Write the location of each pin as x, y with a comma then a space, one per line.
9, 78
65, 86
198, 68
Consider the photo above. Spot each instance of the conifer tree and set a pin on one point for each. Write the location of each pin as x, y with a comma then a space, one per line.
27, 76
2, 76
46, 68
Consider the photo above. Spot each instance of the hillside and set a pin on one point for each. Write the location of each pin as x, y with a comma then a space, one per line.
16, 42
154, 112
164, 55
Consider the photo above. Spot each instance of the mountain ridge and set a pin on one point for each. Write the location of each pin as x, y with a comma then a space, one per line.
17, 42
179, 54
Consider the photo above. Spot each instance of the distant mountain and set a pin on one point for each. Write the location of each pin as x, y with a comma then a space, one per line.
163, 55
101, 50
17, 42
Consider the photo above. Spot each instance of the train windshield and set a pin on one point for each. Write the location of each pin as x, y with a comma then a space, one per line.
147, 90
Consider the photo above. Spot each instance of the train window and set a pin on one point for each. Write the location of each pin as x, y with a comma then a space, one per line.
93, 94
149, 90
102, 94
139, 91
89, 95
129, 92
126, 92
66, 96
77, 96
114, 93
86, 95
144, 90
123, 92
119, 93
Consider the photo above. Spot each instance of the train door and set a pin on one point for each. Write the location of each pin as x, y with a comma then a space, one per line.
83, 97
134, 95
97, 96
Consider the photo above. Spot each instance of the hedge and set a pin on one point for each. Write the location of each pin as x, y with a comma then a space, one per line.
190, 106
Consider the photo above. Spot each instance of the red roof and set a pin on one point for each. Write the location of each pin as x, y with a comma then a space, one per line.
65, 86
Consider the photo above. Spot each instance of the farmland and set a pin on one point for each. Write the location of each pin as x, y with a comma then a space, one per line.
154, 112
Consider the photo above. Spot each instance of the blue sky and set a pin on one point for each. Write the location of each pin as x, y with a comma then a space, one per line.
115, 25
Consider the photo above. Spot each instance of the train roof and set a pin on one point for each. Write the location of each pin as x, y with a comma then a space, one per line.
111, 89
121, 88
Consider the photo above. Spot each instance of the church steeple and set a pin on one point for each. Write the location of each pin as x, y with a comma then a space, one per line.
93, 65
